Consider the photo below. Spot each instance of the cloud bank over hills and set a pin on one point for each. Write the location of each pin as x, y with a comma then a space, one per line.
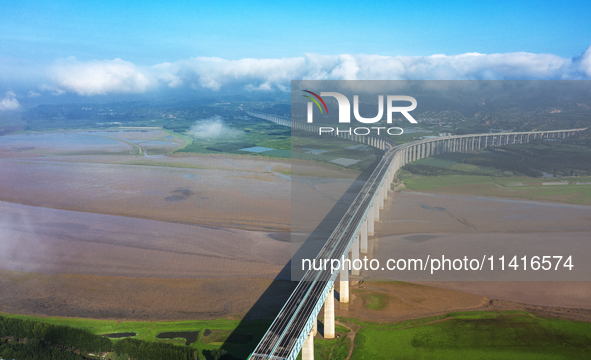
103, 77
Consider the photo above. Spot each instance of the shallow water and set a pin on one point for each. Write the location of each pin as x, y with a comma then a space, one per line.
190, 336
120, 335
158, 143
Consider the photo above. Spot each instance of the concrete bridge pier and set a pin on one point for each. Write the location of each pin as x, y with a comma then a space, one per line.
399, 164
363, 244
371, 248
370, 220
329, 315
355, 255
315, 327
344, 286
376, 208
308, 348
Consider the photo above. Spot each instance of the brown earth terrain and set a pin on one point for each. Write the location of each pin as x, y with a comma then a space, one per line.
248, 196
545, 294
120, 298
171, 237
465, 225
402, 301
123, 298
54, 241
416, 212
239, 192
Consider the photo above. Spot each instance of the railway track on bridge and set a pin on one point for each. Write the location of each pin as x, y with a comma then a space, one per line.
284, 333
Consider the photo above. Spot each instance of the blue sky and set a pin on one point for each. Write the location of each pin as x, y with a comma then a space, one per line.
36, 37
149, 32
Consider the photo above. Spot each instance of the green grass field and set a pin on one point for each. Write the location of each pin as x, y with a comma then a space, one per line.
333, 348
461, 335
442, 161
517, 187
478, 335
373, 301
147, 331
470, 179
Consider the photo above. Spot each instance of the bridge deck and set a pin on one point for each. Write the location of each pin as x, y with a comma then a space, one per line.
281, 337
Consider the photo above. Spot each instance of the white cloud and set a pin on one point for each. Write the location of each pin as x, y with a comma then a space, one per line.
98, 77
211, 73
9, 102
214, 73
52, 89
585, 64
213, 128
166, 73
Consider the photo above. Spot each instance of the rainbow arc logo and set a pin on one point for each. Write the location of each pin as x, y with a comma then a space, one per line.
317, 97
